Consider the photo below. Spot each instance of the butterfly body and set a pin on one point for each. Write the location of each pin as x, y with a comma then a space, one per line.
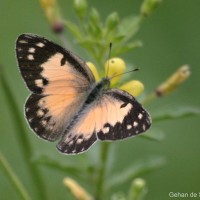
67, 103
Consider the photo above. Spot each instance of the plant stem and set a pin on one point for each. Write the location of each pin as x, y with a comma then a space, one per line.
22, 136
13, 178
102, 170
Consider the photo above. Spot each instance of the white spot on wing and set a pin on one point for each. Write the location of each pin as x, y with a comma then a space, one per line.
144, 127
30, 119
39, 82
70, 143
129, 127
40, 113
105, 130
140, 115
135, 124
79, 141
30, 57
40, 44
87, 137
22, 41
31, 50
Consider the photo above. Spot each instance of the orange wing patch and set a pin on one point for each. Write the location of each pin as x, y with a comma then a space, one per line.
62, 79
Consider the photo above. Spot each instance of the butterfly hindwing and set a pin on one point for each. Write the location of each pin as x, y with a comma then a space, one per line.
124, 116
114, 115
59, 81
48, 115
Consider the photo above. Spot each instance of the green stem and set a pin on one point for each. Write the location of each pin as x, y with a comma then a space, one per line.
22, 136
102, 170
13, 178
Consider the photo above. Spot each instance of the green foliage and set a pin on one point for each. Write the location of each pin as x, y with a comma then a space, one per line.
94, 35
137, 169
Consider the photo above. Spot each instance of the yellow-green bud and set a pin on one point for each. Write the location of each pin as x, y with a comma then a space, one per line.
77, 191
53, 15
148, 6
94, 70
138, 189
115, 66
174, 81
94, 16
80, 8
47, 3
133, 87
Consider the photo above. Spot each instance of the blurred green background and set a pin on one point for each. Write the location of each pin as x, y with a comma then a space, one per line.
171, 37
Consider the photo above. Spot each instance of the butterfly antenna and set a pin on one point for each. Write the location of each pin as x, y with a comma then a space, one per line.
133, 70
109, 54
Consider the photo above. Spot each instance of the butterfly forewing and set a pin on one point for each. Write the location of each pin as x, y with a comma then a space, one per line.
59, 82
42, 62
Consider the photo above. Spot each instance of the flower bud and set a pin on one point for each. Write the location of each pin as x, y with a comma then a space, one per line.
94, 16
47, 3
94, 70
148, 6
133, 87
80, 8
78, 192
115, 66
52, 13
58, 27
138, 189
174, 81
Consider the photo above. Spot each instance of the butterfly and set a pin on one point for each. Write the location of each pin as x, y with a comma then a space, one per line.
66, 102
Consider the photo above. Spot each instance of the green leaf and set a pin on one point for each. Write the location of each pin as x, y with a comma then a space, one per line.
112, 21
94, 16
94, 24
71, 169
117, 38
128, 47
154, 134
94, 30
175, 113
137, 169
74, 29
129, 27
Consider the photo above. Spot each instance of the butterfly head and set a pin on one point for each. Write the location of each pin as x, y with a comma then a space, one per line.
106, 82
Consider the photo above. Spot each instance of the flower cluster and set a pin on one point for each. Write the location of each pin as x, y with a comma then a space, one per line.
115, 67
